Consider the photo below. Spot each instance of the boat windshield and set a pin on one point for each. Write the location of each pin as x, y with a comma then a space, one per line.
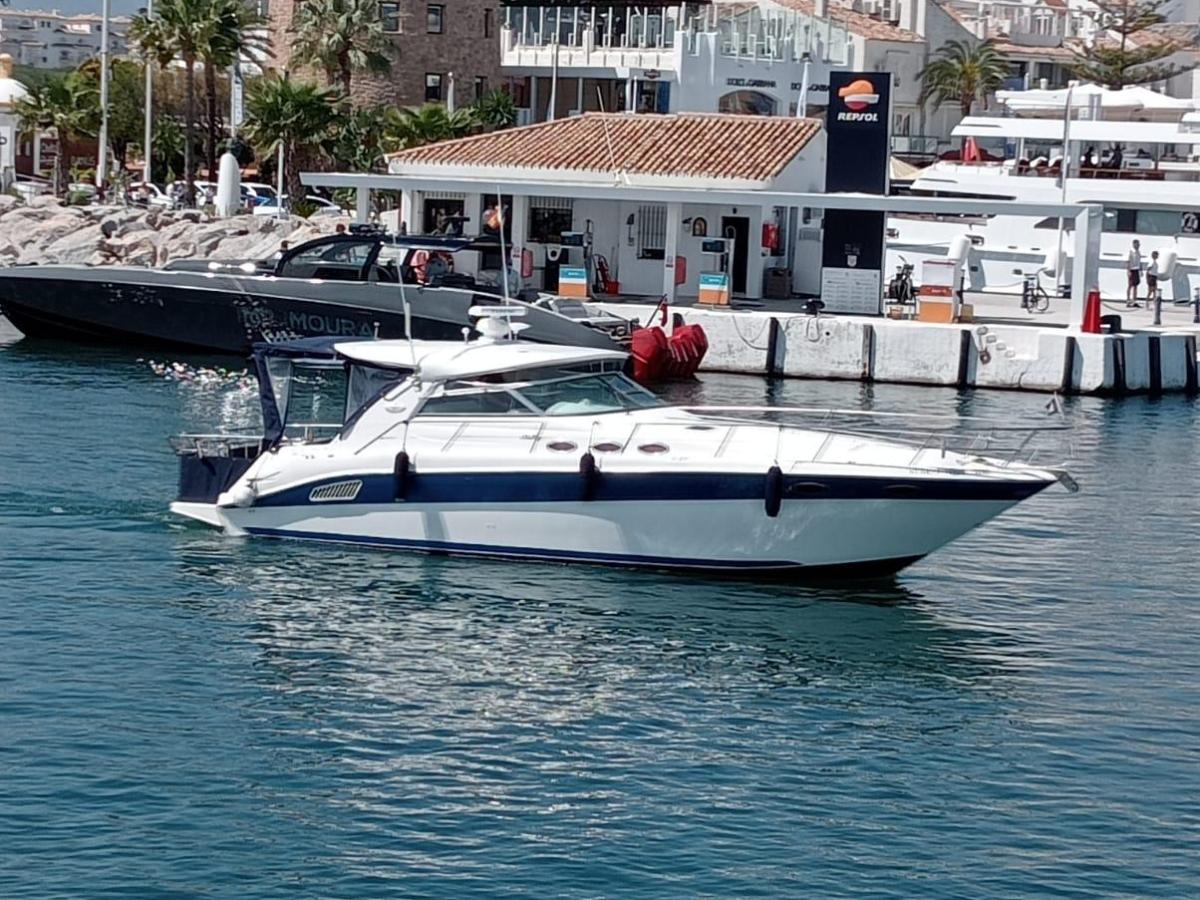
578, 394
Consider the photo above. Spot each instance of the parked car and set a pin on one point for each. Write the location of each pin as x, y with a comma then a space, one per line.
206, 191
29, 187
324, 207
157, 196
261, 194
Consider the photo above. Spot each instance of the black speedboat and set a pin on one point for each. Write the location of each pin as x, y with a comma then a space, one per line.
346, 285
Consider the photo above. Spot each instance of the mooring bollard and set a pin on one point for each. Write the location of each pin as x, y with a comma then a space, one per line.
1157, 306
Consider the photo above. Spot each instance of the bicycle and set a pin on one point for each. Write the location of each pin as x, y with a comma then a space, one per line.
900, 287
1034, 298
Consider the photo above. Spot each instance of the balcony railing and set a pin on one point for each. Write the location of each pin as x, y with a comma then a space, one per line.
915, 144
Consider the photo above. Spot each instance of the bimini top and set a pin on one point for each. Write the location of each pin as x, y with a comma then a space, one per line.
451, 360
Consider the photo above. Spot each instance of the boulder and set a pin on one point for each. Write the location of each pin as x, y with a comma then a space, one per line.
44, 201
75, 246
7, 202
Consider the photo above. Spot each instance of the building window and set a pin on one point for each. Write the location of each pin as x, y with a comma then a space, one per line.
487, 23
389, 16
549, 217
519, 90
433, 18
433, 88
480, 87
652, 231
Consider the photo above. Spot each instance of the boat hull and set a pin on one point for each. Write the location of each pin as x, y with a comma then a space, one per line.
229, 313
849, 537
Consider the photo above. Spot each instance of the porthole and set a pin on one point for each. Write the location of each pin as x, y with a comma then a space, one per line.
562, 446
653, 448
606, 447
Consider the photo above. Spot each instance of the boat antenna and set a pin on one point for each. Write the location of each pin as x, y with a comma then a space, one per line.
502, 220
618, 174
407, 310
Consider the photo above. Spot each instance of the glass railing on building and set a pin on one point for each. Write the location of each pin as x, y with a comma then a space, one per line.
744, 31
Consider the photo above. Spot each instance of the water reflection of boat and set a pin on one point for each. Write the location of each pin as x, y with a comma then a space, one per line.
345, 285
550, 453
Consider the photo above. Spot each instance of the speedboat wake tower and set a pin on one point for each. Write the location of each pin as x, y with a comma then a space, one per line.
343, 285
504, 448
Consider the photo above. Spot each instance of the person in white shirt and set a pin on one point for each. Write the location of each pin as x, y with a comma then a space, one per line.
1133, 266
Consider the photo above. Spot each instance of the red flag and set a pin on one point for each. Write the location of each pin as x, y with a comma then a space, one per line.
970, 151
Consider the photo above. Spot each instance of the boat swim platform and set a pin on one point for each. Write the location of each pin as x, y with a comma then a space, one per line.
776, 338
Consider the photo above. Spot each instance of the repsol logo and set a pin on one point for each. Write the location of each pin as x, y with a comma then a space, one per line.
858, 117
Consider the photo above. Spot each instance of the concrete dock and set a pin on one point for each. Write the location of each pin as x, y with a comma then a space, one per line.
1003, 348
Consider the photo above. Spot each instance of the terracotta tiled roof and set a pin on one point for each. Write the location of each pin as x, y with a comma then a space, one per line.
697, 145
857, 23
1008, 48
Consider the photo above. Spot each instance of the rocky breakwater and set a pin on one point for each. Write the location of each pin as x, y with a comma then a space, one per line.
46, 231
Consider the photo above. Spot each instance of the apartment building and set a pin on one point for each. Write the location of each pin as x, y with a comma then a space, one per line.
443, 52
52, 40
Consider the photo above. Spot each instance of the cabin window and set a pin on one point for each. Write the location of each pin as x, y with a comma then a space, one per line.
336, 261
315, 401
652, 231
1143, 221
583, 395
475, 403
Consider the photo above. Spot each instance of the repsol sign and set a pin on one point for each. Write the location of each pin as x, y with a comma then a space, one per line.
858, 117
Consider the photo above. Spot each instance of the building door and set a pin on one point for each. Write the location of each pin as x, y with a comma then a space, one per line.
737, 228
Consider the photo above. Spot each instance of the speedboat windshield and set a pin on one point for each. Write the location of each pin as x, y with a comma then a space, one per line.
575, 394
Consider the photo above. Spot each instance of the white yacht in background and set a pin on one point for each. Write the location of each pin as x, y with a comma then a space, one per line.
1133, 151
538, 452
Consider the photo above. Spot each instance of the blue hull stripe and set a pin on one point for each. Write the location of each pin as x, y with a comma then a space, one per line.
572, 487
548, 555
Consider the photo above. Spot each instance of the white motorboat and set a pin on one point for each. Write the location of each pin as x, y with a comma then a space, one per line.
542, 452
1132, 151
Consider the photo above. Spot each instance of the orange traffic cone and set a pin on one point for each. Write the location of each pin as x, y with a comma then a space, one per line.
1091, 313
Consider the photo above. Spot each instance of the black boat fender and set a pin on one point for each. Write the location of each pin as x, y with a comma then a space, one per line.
403, 473
773, 491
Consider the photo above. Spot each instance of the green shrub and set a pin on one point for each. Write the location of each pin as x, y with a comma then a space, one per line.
79, 198
304, 208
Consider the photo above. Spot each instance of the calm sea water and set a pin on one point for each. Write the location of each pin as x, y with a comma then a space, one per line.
188, 715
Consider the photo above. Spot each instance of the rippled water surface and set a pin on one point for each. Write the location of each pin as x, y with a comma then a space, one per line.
183, 714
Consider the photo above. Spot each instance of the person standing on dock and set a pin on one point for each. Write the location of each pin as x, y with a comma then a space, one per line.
1152, 278
1133, 266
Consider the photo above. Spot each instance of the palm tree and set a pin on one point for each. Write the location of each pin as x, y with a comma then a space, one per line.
175, 32
232, 31
496, 109
963, 73
341, 36
296, 116
432, 122
65, 103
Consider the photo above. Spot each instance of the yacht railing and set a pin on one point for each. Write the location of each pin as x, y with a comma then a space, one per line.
1003, 443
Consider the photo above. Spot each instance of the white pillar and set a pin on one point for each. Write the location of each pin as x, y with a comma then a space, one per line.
674, 223
1085, 268
148, 134
406, 210
102, 144
362, 205
450, 93
519, 215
